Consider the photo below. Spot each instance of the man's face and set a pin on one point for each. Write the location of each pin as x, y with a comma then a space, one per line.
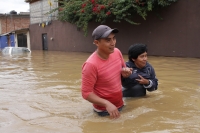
141, 61
106, 45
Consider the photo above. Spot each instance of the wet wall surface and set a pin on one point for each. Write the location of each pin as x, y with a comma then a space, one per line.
171, 31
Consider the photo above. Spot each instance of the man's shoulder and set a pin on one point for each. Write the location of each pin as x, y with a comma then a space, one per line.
90, 62
92, 56
92, 59
117, 50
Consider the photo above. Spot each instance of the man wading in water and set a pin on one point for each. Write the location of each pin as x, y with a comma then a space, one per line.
101, 74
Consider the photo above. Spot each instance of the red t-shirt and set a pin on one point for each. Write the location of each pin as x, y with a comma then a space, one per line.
103, 77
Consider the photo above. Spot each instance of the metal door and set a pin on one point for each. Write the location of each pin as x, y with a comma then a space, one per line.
22, 40
44, 41
12, 40
4, 42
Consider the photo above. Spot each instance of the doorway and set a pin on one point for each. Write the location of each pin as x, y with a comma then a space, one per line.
22, 40
44, 42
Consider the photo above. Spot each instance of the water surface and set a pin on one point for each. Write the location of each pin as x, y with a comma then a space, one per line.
40, 93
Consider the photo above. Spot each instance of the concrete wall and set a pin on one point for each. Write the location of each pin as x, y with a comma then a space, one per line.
176, 35
39, 11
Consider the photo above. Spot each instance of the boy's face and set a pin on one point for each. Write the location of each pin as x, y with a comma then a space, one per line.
141, 61
106, 45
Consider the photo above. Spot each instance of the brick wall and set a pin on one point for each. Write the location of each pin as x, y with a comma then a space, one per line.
15, 22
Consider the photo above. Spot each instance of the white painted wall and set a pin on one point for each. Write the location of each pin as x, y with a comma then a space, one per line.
28, 39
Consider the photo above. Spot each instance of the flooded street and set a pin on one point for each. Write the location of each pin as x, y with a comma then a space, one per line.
40, 93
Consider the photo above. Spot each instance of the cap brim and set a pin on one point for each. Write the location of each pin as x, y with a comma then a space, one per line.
107, 33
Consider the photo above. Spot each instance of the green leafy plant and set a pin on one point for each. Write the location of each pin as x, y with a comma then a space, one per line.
81, 12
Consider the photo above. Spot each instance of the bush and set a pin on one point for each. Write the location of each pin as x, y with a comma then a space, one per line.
81, 12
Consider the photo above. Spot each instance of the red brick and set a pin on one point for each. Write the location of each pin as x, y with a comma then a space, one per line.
15, 22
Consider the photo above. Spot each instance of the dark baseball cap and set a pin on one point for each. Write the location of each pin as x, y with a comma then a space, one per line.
103, 31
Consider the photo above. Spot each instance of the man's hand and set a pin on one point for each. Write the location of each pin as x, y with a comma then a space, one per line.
112, 110
142, 80
126, 72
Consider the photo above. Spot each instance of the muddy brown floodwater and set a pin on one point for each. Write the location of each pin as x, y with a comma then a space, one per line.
40, 93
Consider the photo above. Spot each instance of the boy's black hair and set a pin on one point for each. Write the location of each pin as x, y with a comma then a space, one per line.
135, 50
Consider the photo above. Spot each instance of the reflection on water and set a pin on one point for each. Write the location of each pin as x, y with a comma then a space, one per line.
41, 93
